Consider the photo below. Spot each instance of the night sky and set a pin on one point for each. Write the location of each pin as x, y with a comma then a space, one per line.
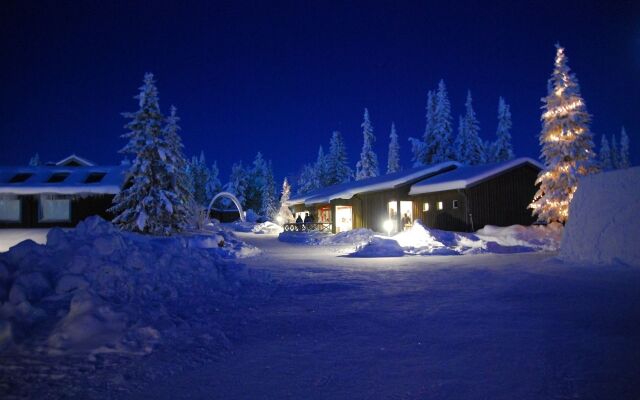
280, 77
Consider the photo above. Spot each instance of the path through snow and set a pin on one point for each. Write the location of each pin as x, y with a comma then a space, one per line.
512, 326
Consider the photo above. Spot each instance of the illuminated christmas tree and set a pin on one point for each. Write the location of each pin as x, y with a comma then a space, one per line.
567, 144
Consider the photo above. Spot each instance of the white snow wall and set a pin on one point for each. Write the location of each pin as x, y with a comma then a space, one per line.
604, 220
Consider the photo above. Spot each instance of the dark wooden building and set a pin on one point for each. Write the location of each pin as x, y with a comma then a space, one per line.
368, 203
446, 196
470, 197
59, 194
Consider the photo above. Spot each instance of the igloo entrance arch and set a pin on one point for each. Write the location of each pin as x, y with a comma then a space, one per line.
231, 197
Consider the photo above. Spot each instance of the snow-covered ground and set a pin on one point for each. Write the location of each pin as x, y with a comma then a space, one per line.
474, 326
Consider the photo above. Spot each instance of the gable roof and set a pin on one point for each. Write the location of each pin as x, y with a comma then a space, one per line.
467, 176
383, 182
69, 180
74, 161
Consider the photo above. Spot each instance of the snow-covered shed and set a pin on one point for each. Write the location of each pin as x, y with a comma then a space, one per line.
368, 203
57, 195
470, 197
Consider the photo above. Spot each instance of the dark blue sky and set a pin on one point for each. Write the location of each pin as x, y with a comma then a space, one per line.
279, 77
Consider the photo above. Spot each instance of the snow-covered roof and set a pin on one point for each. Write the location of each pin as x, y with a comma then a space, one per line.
75, 159
466, 176
61, 180
384, 182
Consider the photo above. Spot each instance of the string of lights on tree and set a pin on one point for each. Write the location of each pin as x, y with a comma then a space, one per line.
567, 144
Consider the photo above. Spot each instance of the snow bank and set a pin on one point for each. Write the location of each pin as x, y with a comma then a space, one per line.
96, 289
348, 238
424, 241
603, 223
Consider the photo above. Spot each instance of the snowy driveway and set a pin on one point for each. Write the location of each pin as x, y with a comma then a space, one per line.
519, 326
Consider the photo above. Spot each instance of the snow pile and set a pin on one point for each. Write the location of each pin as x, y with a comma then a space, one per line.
95, 289
424, 241
348, 238
603, 219
267, 227
537, 237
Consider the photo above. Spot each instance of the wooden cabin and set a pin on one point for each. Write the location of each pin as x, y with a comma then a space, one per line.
470, 197
367, 203
57, 194
448, 196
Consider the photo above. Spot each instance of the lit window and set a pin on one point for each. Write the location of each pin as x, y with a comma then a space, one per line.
455, 204
10, 210
440, 206
54, 210
425, 207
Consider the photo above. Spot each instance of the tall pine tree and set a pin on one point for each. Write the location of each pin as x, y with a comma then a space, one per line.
269, 207
605, 154
284, 214
308, 179
149, 203
440, 146
393, 161
501, 149
322, 169
338, 170
422, 152
238, 184
615, 153
623, 158
256, 180
567, 144
470, 148
367, 167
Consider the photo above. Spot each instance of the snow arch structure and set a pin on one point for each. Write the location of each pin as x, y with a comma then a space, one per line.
231, 197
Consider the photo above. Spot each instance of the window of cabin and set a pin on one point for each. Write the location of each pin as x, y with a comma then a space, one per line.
10, 210
94, 177
19, 178
54, 209
440, 205
425, 207
58, 177
454, 204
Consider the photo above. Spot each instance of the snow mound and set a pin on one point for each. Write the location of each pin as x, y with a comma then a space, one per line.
603, 220
420, 240
348, 238
538, 237
267, 227
95, 289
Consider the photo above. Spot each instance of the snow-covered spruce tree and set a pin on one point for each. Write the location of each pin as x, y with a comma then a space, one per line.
393, 161
567, 144
623, 157
338, 170
214, 186
35, 161
255, 183
237, 184
148, 202
269, 206
420, 148
177, 161
605, 154
469, 146
200, 180
615, 153
501, 149
367, 167
322, 168
308, 179
284, 213
440, 147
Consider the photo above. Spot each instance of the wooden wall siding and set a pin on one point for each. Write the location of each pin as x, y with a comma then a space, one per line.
449, 218
503, 200
81, 208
